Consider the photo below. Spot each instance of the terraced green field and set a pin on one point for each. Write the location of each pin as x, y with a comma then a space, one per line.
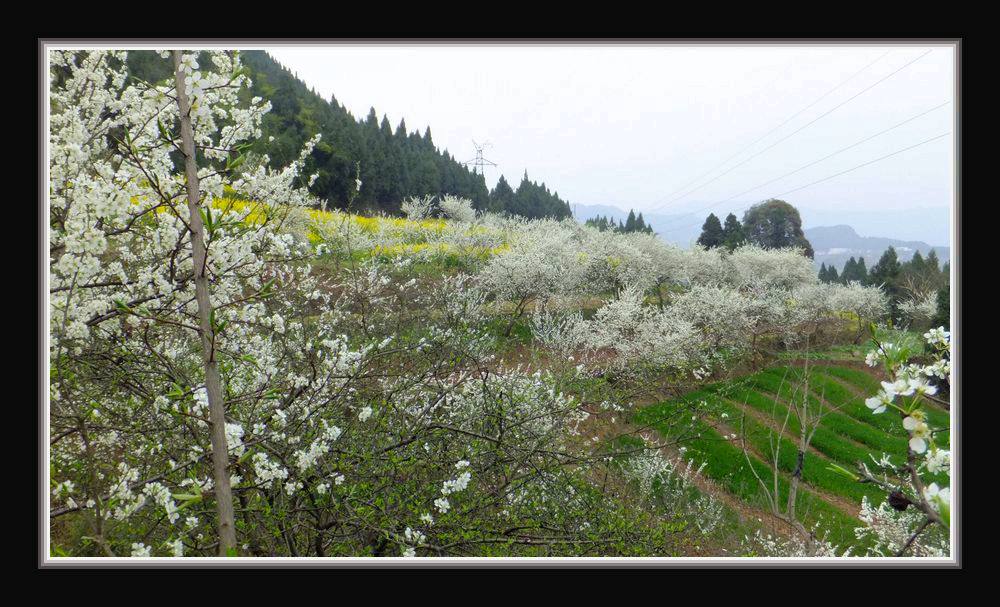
757, 407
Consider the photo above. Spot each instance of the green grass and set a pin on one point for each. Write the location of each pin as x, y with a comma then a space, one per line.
726, 464
815, 468
937, 417
829, 437
848, 434
859, 429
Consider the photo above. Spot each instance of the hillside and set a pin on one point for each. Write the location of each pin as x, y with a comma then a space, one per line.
392, 163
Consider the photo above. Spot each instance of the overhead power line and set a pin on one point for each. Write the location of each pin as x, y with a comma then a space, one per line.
786, 121
864, 164
819, 160
844, 172
806, 125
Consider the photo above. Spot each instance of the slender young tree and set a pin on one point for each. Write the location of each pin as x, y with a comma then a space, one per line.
213, 380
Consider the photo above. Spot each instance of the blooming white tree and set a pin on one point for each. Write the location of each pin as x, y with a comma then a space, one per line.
912, 388
457, 209
417, 208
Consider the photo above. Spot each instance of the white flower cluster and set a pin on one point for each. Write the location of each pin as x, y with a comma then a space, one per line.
267, 471
911, 380
319, 447
765, 544
162, 497
140, 550
456, 484
891, 529
416, 209
894, 530
234, 438
920, 307
674, 480
412, 539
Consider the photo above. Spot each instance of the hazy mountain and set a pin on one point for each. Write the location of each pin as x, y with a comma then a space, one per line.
918, 223
834, 245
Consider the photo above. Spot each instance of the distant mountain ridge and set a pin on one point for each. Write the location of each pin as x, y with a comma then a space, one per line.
834, 245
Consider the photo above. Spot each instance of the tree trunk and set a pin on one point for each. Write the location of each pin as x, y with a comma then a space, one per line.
213, 381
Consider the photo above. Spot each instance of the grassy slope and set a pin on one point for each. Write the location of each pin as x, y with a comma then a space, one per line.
727, 465
848, 434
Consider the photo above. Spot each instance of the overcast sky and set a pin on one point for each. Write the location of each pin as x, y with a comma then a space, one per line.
636, 126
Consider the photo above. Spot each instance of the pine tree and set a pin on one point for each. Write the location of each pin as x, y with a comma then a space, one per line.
933, 262
823, 274
630, 222
886, 273
711, 232
943, 316
862, 272
887, 269
733, 235
643, 226
850, 271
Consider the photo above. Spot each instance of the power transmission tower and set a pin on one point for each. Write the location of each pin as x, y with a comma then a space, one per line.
479, 162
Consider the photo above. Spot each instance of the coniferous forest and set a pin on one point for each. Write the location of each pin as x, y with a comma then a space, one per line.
392, 162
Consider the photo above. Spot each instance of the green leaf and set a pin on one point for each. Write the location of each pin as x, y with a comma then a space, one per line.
177, 392
843, 472
944, 509
234, 164
163, 131
266, 290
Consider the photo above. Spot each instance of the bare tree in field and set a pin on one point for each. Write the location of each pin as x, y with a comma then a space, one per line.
809, 416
